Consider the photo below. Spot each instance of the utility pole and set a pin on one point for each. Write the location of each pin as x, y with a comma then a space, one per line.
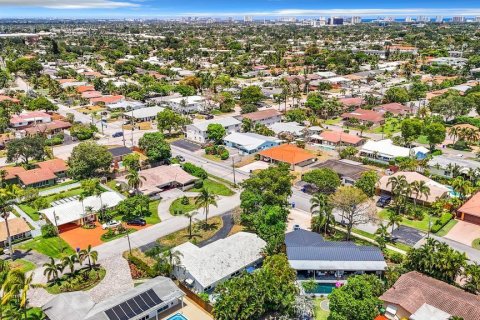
133, 126
233, 168
129, 245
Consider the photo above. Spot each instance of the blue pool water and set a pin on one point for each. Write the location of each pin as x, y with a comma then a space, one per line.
323, 288
177, 316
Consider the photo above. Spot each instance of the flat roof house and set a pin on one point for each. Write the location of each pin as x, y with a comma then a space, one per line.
288, 153
119, 152
190, 104
162, 178
152, 299
385, 151
202, 269
249, 143
444, 164
334, 139
27, 119
72, 211
394, 108
313, 257
198, 131
292, 128
437, 190
349, 171
416, 296
19, 230
143, 114
266, 117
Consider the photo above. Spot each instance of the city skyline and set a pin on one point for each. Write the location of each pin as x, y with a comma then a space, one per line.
216, 8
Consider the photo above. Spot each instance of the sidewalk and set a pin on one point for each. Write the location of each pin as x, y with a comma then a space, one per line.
35, 225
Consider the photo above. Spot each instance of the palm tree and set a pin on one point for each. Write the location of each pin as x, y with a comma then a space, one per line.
394, 219
205, 199
419, 188
90, 255
134, 179
7, 196
167, 260
16, 286
51, 270
382, 236
82, 197
462, 187
69, 261
321, 206
190, 216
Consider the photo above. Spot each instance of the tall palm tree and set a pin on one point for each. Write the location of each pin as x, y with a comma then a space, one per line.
134, 179
90, 255
52, 269
69, 261
82, 197
394, 219
16, 287
462, 187
190, 216
419, 188
7, 196
167, 260
205, 199
321, 206
382, 235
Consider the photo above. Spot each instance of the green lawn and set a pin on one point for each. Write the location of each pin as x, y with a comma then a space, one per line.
212, 157
332, 121
320, 314
178, 206
417, 224
391, 126
63, 195
53, 247
446, 228
23, 265
31, 212
66, 183
153, 208
398, 245
215, 187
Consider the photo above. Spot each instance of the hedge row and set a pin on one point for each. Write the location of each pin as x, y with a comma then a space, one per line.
440, 223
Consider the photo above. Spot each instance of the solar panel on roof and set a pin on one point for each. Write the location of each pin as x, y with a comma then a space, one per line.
135, 306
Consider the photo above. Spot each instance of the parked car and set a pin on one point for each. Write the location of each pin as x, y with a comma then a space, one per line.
117, 134
111, 224
180, 158
137, 222
209, 117
384, 201
296, 227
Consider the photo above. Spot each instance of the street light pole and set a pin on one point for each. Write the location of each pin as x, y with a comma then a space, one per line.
233, 168
129, 245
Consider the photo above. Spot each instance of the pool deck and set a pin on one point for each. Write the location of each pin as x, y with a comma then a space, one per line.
190, 310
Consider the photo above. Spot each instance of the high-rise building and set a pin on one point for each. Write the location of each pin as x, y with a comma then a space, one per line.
458, 19
423, 19
335, 21
248, 19
356, 20
439, 19
477, 19
408, 19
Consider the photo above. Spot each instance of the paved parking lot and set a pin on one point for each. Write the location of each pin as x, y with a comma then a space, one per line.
407, 235
187, 145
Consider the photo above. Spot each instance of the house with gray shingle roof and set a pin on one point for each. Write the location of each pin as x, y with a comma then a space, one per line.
314, 257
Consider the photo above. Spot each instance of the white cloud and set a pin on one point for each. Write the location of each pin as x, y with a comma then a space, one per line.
69, 4
349, 12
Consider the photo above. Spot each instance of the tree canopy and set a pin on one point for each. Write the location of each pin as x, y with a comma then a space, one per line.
89, 159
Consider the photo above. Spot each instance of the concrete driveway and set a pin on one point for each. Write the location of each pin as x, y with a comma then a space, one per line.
464, 232
302, 218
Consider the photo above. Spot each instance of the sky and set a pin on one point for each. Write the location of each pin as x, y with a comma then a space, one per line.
233, 8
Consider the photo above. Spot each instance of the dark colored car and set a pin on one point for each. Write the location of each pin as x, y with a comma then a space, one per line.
117, 134
384, 201
180, 158
208, 117
136, 222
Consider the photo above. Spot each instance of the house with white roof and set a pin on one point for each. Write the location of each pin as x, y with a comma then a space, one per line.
143, 114
67, 211
202, 269
288, 127
198, 131
385, 151
190, 104
249, 142
444, 165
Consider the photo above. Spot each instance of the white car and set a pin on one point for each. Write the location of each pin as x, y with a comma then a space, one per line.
111, 224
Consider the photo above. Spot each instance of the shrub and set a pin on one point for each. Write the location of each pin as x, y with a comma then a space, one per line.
394, 257
224, 155
440, 223
195, 171
49, 231
185, 200
142, 265
198, 184
203, 296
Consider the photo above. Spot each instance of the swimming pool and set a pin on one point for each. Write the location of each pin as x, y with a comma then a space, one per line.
323, 288
177, 316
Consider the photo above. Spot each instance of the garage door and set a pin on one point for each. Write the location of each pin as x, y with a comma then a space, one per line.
472, 219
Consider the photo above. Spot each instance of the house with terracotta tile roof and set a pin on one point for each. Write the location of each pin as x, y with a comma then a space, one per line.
57, 166
394, 108
107, 99
82, 89
336, 138
49, 128
7, 98
350, 103
91, 94
37, 177
470, 210
45, 173
288, 153
19, 230
29, 118
416, 296
364, 116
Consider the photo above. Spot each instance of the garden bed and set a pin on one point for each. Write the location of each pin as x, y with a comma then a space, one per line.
83, 279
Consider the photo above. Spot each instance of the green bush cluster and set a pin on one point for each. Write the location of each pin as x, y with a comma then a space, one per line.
55, 140
80, 281
440, 223
217, 150
195, 171
142, 266
49, 231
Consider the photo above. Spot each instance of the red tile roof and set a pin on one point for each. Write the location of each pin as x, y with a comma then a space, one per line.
48, 127
7, 98
54, 165
18, 118
91, 94
414, 289
352, 102
337, 136
472, 206
395, 108
287, 153
262, 114
364, 115
12, 172
81, 89
107, 99
35, 176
